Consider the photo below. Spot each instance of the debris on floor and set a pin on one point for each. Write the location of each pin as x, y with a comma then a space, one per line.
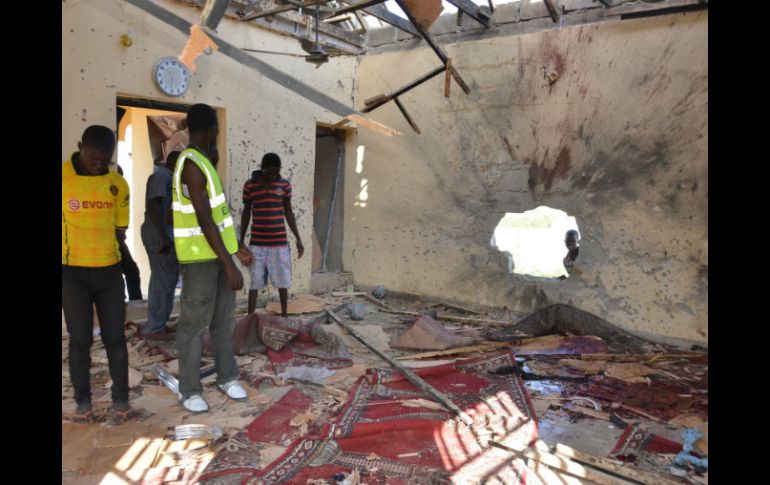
594, 397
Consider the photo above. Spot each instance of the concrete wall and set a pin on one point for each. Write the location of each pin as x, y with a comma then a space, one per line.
619, 141
260, 116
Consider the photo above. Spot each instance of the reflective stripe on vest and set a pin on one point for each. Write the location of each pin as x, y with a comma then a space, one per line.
189, 240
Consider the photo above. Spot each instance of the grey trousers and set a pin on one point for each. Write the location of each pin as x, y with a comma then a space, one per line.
208, 303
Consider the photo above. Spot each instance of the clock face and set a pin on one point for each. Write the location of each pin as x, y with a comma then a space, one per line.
171, 76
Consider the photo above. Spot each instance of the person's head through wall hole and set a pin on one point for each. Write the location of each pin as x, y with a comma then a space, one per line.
572, 239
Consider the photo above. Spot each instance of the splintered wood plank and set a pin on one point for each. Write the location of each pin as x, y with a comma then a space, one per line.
373, 125
457, 350
450, 318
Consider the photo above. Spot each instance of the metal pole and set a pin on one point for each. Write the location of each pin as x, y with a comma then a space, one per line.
411, 376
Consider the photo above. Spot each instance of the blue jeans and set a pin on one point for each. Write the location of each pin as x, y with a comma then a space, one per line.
164, 273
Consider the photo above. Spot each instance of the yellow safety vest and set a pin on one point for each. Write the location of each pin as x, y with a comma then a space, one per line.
189, 240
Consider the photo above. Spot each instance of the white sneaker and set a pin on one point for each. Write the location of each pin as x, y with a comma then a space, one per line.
234, 390
195, 404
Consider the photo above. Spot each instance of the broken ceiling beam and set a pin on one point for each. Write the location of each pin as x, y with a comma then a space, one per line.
439, 52
299, 26
381, 99
361, 21
352, 7
471, 10
406, 115
382, 13
328, 35
553, 10
280, 9
451, 318
279, 77
213, 12
338, 19
627, 8
302, 26
448, 78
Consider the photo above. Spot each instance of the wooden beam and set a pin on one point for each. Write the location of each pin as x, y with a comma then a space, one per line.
303, 26
553, 10
407, 373
352, 7
336, 20
361, 21
294, 24
450, 318
212, 13
456, 350
472, 10
372, 125
285, 8
384, 98
406, 115
448, 77
637, 7
439, 52
382, 13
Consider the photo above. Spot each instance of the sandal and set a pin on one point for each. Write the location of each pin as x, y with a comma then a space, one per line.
122, 417
88, 417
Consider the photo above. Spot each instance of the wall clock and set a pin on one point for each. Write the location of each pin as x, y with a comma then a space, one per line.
171, 76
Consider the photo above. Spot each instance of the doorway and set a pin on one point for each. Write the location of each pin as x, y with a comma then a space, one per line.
147, 132
328, 200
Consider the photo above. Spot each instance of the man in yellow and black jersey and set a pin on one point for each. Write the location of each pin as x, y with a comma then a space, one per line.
95, 212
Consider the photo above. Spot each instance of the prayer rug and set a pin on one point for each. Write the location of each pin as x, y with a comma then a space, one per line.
391, 433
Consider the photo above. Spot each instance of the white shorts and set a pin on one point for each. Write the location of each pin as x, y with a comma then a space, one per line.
273, 261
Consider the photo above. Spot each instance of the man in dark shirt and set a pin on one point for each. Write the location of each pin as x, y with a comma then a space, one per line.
158, 240
267, 201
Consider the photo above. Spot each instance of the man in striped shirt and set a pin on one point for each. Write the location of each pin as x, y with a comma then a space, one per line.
267, 201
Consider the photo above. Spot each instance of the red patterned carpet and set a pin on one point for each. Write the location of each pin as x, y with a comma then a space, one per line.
388, 441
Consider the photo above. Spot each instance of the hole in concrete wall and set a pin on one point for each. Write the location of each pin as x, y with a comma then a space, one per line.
533, 241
